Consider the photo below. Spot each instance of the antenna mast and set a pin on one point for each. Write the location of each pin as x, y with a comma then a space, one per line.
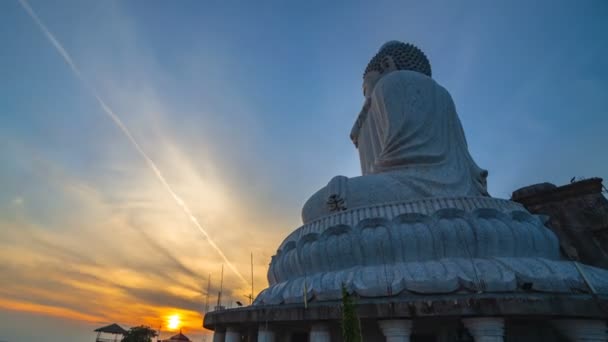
207, 295
219, 295
251, 297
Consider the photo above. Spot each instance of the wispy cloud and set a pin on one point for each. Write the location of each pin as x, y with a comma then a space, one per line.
114, 246
121, 125
121, 250
107, 265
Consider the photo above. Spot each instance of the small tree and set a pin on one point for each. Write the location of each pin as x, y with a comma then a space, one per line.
351, 330
139, 334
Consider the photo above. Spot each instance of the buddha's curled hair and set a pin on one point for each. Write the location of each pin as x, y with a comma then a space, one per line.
406, 57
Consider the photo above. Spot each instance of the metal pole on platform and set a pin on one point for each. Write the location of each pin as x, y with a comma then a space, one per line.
219, 295
207, 296
251, 298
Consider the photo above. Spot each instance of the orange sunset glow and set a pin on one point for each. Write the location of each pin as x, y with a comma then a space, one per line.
127, 250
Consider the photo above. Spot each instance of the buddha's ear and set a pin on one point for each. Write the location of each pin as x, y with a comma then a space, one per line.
388, 64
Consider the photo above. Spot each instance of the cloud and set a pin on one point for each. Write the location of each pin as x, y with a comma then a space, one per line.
161, 298
105, 243
47, 310
110, 249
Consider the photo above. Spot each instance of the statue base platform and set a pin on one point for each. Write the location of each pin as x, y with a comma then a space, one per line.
434, 246
529, 306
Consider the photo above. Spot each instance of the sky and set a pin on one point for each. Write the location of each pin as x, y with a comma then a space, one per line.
245, 108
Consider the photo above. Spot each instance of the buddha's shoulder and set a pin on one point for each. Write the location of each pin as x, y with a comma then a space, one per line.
406, 79
407, 76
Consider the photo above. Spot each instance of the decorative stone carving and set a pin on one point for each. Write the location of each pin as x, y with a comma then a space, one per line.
448, 251
404, 56
426, 206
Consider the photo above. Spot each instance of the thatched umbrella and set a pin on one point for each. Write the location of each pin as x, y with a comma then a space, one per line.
113, 329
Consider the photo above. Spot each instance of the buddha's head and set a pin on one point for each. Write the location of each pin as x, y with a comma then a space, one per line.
393, 56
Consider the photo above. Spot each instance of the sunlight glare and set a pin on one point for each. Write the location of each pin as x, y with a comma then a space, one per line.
174, 322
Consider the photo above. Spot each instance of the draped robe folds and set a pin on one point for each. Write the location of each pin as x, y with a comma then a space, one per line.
411, 146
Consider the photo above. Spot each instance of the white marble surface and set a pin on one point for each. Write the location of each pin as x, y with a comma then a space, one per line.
411, 146
443, 276
419, 220
425, 206
448, 251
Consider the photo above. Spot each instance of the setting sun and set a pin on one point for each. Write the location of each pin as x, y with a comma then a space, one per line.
174, 322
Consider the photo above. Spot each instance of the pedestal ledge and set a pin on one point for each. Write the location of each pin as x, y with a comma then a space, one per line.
550, 306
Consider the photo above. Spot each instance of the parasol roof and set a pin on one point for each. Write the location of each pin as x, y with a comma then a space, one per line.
179, 337
112, 329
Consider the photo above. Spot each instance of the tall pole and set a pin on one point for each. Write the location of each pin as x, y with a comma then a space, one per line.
219, 296
251, 297
207, 296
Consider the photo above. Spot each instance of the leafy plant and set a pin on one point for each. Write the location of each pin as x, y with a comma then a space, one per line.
139, 334
351, 328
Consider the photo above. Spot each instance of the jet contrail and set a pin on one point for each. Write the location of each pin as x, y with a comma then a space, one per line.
110, 113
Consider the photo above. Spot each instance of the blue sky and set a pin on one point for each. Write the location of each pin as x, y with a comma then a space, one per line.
246, 107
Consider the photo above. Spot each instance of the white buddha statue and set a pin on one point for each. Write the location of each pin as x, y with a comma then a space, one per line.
411, 143
419, 221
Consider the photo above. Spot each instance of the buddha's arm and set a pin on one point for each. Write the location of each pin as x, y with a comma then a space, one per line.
354, 133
